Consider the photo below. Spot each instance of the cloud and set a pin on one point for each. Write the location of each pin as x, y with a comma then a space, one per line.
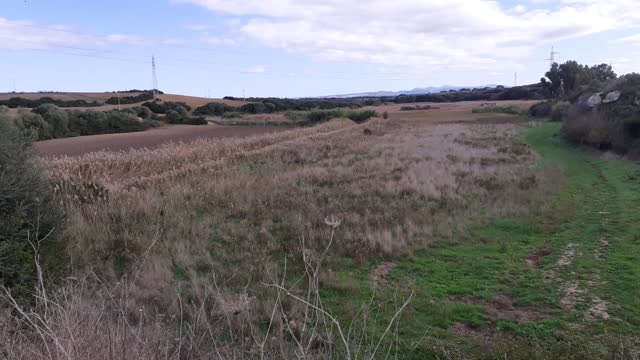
16, 35
421, 34
219, 41
630, 39
27, 35
258, 69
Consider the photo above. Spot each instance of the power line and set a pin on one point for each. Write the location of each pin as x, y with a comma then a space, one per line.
552, 57
155, 77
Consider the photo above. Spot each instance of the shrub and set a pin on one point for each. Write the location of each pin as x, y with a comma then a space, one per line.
18, 102
254, 108
560, 111
162, 107
115, 100
232, 115
57, 118
215, 109
195, 121
361, 116
28, 211
319, 116
33, 124
173, 117
512, 110
541, 109
385, 115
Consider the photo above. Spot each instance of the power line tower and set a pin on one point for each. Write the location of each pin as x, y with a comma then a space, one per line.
552, 56
155, 77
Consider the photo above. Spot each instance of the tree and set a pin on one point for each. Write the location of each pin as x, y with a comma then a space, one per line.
603, 72
56, 117
29, 211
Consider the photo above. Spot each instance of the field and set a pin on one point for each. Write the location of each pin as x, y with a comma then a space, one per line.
147, 139
192, 101
433, 234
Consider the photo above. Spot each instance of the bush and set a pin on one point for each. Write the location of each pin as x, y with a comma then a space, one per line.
512, 110
214, 109
18, 102
560, 111
195, 121
319, 116
541, 109
232, 115
173, 117
57, 118
28, 211
163, 107
361, 116
256, 108
33, 124
115, 100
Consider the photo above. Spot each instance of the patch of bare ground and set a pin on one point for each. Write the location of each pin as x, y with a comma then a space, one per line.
599, 309
568, 255
533, 260
482, 335
505, 307
381, 272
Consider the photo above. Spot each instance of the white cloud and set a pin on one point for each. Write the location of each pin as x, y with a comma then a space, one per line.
258, 69
21, 35
219, 41
630, 39
421, 33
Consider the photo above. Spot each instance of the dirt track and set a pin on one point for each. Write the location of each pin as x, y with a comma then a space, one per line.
147, 139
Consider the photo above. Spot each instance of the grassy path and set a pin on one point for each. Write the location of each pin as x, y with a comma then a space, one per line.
579, 295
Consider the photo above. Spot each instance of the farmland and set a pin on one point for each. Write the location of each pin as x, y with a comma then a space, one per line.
429, 234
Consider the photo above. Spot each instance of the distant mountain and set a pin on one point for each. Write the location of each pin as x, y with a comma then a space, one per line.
416, 91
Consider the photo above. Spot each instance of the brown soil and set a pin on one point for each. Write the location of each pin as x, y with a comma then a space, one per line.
533, 260
568, 255
382, 271
146, 139
482, 335
504, 307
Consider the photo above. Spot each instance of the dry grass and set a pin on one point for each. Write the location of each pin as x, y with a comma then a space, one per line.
203, 226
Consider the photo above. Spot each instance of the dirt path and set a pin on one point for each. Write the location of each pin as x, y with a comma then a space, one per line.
146, 139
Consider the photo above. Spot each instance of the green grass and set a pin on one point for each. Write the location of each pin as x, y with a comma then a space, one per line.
512, 110
604, 196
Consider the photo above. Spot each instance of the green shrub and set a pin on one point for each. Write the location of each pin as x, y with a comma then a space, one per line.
173, 117
361, 116
33, 124
295, 115
541, 109
319, 116
560, 111
163, 107
232, 115
57, 118
512, 110
115, 100
214, 109
195, 121
28, 211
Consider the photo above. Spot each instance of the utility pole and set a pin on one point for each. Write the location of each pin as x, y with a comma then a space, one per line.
155, 77
515, 79
552, 57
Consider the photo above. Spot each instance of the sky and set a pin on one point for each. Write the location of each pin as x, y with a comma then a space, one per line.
297, 48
